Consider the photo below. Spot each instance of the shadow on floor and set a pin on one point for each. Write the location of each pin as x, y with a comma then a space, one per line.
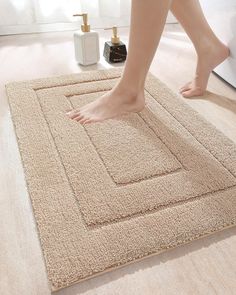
220, 100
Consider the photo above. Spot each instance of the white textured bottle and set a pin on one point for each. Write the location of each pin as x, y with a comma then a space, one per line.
86, 43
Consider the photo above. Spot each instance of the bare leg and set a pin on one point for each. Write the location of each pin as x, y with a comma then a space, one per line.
147, 23
210, 50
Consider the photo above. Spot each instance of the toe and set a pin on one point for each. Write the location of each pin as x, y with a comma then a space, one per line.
192, 92
73, 114
185, 87
79, 117
87, 121
91, 119
187, 93
83, 120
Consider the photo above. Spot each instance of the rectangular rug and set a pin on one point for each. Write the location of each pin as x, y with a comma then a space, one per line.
111, 193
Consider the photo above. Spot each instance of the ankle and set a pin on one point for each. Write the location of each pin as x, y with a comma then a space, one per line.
131, 85
210, 47
128, 95
128, 90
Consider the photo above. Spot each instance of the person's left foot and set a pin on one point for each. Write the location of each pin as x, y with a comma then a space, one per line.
113, 103
211, 57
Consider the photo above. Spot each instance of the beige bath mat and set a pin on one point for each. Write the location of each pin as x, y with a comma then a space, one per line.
111, 193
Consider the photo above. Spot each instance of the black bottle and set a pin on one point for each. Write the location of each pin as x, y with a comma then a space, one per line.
114, 50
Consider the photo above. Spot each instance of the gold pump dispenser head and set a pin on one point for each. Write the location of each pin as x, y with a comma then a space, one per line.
85, 27
115, 39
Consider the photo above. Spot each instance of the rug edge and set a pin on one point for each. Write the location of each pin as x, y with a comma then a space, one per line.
164, 250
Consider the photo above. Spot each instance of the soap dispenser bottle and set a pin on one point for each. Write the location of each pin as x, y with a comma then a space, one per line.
114, 50
86, 43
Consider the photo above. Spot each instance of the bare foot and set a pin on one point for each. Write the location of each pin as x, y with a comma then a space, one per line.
211, 57
113, 103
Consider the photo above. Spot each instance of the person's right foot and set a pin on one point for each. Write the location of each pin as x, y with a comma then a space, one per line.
211, 57
113, 103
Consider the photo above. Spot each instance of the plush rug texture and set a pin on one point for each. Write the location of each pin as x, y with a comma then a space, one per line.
111, 193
